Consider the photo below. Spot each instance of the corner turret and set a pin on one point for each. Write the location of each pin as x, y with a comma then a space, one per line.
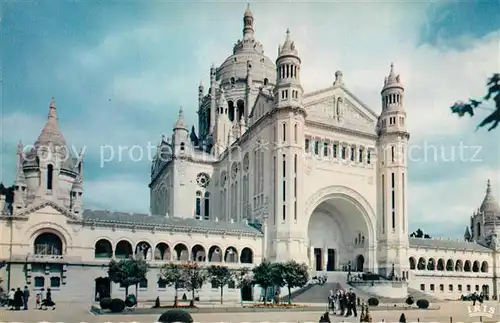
181, 135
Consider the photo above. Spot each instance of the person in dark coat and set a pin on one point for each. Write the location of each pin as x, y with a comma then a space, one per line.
48, 301
402, 318
18, 299
325, 318
26, 296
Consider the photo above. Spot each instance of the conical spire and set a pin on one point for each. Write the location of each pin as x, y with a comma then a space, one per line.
490, 204
181, 124
248, 31
51, 134
392, 79
288, 47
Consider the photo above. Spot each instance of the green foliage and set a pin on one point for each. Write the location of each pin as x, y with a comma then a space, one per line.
263, 275
243, 277
423, 303
175, 316
117, 305
462, 108
171, 274
193, 276
290, 274
373, 301
127, 272
105, 303
420, 234
220, 276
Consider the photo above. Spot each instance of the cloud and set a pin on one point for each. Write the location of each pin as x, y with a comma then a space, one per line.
125, 87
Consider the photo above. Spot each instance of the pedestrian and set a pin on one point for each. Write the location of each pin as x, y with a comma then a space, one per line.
11, 298
402, 318
26, 296
48, 300
18, 299
42, 297
38, 301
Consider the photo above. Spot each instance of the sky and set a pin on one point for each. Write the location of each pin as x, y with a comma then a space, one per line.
119, 72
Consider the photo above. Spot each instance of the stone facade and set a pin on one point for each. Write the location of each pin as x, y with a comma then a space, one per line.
271, 173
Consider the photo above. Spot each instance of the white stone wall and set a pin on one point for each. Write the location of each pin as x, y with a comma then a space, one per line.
451, 284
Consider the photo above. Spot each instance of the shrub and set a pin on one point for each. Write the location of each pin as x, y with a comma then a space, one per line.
373, 301
423, 303
131, 300
410, 301
178, 316
105, 303
116, 305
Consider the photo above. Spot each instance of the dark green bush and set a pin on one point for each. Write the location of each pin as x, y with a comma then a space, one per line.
117, 305
410, 301
373, 301
131, 300
105, 303
423, 303
178, 316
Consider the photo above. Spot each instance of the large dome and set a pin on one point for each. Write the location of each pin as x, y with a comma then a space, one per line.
247, 51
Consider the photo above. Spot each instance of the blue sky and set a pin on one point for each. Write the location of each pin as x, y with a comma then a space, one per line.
120, 71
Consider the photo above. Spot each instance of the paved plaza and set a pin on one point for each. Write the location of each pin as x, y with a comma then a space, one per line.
74, 312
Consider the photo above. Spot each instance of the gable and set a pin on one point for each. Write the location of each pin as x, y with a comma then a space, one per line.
337, 106
263, 104
48, 208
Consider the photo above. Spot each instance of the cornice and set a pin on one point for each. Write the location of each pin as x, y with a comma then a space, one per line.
346, 131
153, 227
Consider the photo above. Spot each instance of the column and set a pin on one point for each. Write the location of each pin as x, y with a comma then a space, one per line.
324, 255
312, 259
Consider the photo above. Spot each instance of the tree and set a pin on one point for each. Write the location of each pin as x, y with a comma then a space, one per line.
263, 276
463, 108
294, 275
127, 272
220, 276
244, 278
171, 274
193, 277
420, 234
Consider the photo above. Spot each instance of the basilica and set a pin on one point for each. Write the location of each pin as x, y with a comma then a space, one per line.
270, 172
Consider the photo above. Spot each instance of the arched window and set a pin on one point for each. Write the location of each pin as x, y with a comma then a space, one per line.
50, 174
206, 206
284, 131
197, 211
48, 243
478, 229
295, 133
240, 109
266, 81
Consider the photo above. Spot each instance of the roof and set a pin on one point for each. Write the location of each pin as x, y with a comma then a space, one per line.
447, 244
168, 222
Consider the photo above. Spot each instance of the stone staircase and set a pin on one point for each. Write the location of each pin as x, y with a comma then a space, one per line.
315, 293
416, 294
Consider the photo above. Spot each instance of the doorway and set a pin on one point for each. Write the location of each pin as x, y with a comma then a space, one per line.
360, 262
319, 259
247, 293
330, 265
102, 288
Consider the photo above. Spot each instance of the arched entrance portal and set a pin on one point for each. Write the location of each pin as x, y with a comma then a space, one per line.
340, 232
102, 288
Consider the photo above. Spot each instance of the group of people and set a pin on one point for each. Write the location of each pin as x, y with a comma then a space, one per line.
343, 302
17, 299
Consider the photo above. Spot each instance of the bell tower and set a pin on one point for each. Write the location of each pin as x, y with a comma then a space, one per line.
288, 117
392, 179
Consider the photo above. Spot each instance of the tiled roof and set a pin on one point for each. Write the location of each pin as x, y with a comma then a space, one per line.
169, 222
447, 244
